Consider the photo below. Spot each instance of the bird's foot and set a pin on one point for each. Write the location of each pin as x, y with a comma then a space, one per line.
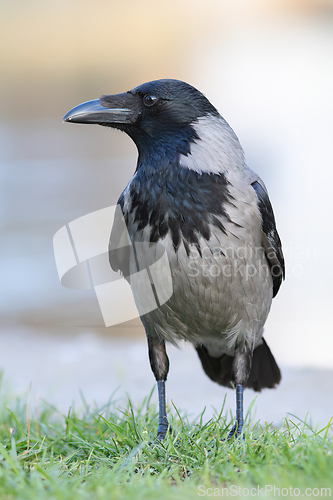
236, 432
163, 429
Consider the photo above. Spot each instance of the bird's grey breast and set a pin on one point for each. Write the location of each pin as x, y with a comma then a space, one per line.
209, 226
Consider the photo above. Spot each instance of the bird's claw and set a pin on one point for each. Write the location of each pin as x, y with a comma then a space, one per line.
161, 433
236, 432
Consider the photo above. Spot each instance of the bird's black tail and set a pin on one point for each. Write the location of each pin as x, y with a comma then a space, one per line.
264, 371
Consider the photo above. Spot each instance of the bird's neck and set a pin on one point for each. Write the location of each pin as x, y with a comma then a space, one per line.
217, 151
206, 146
160, 153
190, 168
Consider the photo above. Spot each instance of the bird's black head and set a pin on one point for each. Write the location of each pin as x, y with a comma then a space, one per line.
157, 114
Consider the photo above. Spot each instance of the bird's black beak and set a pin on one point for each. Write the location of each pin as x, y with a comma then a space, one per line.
108, 110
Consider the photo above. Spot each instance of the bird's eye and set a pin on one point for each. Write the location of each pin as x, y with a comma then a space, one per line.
149, 100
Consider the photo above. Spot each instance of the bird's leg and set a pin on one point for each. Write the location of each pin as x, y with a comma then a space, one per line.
238, 425
159, 363
162, 418
241, 368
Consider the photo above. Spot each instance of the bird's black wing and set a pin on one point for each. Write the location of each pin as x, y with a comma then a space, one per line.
271, 239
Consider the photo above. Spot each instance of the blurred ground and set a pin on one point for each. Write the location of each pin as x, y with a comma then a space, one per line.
268, 68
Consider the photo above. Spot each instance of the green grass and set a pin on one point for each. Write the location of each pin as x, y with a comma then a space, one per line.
105, 454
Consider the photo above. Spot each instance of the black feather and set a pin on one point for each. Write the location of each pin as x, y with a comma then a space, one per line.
183, 203
272, 243
264, 372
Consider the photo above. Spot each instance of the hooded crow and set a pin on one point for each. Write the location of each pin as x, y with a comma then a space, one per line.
193, 194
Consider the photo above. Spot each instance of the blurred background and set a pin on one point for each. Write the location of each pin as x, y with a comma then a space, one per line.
268, 68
